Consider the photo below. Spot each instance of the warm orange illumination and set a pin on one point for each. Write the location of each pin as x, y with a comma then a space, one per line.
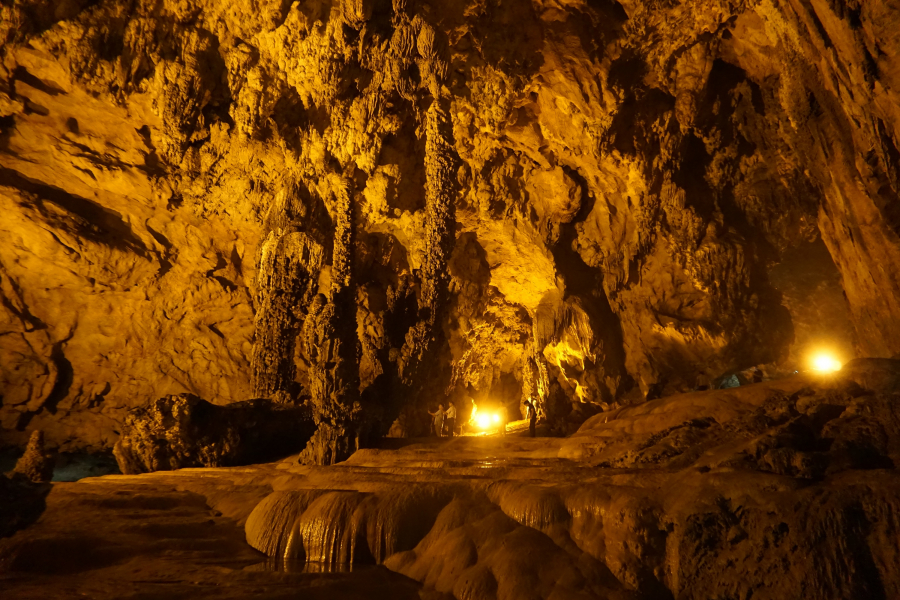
486, 420
483, 420
825, 363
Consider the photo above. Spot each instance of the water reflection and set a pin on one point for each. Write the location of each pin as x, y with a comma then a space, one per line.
293, 566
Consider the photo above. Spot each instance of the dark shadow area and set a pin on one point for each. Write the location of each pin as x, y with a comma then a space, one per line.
76, 466
64, 377
405, 149
690, 176
631, 129
21, 503
186, 431
511, 36
586, 283
22, 74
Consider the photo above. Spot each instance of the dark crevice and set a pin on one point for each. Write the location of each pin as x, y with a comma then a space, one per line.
820, 28
31, 322
64, 377
585, 282
22, 74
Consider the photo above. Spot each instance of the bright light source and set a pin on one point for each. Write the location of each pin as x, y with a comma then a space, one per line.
825, 363
496, 418
483, 420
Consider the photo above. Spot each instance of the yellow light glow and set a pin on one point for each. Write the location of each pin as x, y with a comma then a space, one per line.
825, 363
483, 420
496, 418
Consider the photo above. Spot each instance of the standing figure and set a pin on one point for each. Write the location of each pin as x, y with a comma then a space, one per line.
438, 420
531, 415
757, 375
703, 382
450, 418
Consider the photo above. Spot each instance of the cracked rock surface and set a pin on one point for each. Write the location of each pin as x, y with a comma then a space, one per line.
586, 202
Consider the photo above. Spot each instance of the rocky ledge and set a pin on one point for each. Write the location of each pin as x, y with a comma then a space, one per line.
186, 431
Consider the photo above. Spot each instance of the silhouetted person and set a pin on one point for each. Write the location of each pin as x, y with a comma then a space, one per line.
504, 418
703, 382
450, 418
757, 375
438, 420
655, 390
531, 415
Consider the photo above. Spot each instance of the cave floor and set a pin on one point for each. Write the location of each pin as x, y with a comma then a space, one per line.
180, 534
701, 495
150, 537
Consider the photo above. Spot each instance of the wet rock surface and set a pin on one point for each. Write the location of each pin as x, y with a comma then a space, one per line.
773, 490
780, 489
130, 538
586, 202
187, 431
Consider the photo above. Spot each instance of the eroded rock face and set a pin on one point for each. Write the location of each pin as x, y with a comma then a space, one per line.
583, 202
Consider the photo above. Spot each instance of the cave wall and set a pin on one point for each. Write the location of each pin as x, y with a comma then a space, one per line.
595, 198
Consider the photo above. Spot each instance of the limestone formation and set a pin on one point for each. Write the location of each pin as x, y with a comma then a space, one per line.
784, 489
582, 202
243, 231
290, 261
36, 464
781, 489
186, 431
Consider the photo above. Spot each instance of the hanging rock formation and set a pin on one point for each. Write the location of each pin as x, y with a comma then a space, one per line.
585, 202
329, 343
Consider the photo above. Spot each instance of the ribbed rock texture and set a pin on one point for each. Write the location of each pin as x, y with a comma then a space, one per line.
363, 205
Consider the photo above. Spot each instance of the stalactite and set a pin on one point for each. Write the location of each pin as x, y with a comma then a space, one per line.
439, 219
439, 238
289, 262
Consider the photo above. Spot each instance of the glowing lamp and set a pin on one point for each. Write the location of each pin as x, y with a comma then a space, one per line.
825, 363
483, 420
496, 418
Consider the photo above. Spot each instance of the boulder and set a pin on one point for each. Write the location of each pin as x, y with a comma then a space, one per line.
184, 430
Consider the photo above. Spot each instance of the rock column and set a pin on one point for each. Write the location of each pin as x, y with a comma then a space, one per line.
439, 238
330, 343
